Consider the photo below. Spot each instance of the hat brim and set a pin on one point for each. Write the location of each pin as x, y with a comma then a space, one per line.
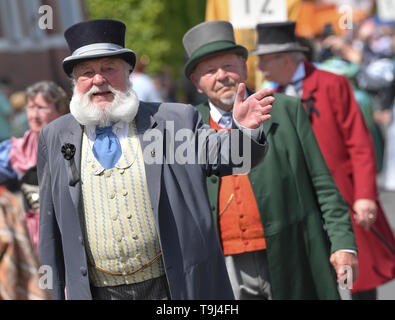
213, 49
277, 48
125, 54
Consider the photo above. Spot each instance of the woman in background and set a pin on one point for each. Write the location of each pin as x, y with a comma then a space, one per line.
45, 101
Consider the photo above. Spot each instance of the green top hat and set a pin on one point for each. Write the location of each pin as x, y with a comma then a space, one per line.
209, 38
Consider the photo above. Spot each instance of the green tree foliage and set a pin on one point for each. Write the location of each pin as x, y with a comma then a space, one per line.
153, 27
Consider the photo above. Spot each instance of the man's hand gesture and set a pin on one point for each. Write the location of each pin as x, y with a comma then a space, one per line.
253, 111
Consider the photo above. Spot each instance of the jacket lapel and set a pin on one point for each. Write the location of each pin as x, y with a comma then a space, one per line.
145, 122
73, 135
310, 81
205, 112
269, 127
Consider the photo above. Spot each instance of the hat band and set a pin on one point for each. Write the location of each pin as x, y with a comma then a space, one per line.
273, 48
96, 47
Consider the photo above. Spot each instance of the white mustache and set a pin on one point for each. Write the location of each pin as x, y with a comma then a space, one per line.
224, 83
124, 107
104, 88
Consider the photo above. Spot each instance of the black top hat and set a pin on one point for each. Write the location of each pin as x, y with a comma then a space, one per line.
276, 37
96, 39
209, 38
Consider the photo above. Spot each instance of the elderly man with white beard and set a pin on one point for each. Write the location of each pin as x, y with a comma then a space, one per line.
114, 223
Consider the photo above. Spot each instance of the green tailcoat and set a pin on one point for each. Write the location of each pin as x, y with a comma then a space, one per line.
303, 214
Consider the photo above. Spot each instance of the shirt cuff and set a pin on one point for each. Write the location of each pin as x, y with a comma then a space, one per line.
349, 250
252, 133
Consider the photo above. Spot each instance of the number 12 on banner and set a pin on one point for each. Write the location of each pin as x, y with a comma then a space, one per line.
246, 14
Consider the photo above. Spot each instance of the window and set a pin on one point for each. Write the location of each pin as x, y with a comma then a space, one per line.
29, 18
10, 20
56, 12
19, 23
71, 12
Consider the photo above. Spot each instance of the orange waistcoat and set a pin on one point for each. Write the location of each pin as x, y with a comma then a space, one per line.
240, 224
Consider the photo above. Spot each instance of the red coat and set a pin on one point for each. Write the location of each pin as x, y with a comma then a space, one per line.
347, 147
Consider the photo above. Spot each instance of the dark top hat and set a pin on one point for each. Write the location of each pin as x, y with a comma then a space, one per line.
276, 37
209, 38
96, 39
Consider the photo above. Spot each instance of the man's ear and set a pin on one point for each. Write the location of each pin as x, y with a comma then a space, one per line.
192, 77
244, 70
287, 58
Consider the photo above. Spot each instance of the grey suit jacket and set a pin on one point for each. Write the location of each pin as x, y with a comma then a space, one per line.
191, 251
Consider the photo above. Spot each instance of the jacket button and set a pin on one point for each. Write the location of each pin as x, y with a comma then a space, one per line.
83, 270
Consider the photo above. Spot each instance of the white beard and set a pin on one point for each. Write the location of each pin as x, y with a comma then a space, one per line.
226, 82
124, 107
228, 101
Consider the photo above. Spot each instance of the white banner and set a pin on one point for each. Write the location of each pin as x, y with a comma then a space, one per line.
386, 10
246, 14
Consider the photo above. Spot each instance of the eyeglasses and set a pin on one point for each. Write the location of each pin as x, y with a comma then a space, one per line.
42, 109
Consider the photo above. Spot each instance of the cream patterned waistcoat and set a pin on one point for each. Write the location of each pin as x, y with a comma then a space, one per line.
120, 233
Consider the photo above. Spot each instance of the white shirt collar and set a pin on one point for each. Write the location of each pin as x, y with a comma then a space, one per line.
299, 74
121, 129
216, 113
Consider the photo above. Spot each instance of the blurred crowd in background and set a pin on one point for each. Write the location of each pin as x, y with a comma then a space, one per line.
365, 55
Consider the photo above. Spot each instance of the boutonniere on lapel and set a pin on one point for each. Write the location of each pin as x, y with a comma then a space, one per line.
68, 152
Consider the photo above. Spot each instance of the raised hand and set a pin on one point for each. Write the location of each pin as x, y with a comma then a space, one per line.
253, 111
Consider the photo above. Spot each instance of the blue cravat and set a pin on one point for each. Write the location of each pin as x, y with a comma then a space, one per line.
226, 120
107, 149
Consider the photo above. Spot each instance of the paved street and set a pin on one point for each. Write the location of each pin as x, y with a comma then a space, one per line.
387, 291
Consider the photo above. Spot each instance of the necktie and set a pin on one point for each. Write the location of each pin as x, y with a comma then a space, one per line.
107, 149
226, 120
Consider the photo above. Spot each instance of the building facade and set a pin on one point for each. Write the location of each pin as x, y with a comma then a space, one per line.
32, 45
